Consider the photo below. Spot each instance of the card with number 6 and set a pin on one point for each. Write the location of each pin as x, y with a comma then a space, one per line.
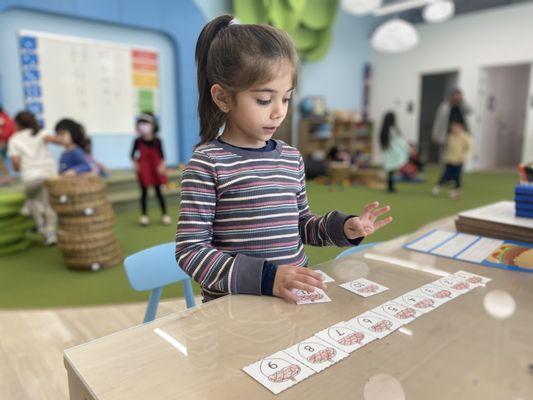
278, 372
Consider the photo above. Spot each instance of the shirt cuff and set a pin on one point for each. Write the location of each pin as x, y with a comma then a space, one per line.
335, 229
268, 277
247, 275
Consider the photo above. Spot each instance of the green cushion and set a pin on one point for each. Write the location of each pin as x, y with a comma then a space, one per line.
15, 221
10, 198
9, 210
14, 247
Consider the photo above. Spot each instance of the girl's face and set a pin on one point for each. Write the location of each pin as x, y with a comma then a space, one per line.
256, 113
65, 137
145, 129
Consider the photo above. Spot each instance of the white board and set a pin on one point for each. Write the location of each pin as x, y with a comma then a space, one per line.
101, 84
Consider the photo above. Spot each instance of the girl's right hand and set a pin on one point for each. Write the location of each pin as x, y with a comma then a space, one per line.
289, 277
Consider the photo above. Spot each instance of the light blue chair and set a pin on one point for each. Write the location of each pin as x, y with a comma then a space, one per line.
356, 249
154, 268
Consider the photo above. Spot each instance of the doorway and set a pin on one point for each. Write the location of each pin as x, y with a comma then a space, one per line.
503, 95
435, 88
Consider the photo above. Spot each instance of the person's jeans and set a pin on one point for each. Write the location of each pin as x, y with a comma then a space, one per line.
452, 173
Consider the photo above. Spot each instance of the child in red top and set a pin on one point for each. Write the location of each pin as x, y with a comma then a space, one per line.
149, 162
7, 129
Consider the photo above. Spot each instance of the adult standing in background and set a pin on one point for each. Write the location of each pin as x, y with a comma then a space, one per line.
7, 129
454, 109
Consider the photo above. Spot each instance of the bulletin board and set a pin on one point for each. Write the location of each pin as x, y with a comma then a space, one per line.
103, 85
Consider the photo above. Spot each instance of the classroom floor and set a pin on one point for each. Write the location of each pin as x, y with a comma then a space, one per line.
36, 278
31, 349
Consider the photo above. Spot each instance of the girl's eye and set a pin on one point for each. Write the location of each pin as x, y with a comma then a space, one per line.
286, 100
263, 102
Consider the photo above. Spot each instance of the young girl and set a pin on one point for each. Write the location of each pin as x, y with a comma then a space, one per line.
395, 149
149, 162
244, 216
458, 148
30, 155
72, 136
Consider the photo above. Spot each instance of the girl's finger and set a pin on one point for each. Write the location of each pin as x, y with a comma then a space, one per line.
310, 272
369, 207
381, 223
302, 286
311, 281
380, 211
289, 295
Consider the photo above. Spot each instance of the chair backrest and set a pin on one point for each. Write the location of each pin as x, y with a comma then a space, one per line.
153, 267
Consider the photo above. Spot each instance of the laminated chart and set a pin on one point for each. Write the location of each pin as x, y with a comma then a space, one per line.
505, 254
104, 85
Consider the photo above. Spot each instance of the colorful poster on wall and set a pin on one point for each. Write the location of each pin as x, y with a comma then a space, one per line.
145, 79
103, 85
505, 254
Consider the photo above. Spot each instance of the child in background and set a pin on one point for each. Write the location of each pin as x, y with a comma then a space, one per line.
97, 167
244, 216
30, 155
458, 148
149, 162
73, 161
395, 148
7, 129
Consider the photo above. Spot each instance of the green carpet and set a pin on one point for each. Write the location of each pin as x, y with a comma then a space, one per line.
36, 277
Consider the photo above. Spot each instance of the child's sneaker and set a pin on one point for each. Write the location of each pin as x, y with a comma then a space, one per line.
455, 194
435, 191
144, 220
166, 219
50, 239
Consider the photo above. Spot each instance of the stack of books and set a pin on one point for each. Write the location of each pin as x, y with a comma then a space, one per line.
523, 197
496, 220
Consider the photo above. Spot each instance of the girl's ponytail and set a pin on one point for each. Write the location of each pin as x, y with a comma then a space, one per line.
211, 117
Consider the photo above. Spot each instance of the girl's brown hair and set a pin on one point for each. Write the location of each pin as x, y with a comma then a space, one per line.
26, 120
237, 57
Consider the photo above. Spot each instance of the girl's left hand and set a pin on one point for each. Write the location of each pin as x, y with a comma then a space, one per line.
162, 169
70, 172
366, 223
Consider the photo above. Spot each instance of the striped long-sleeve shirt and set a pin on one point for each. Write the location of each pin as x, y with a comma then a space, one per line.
240, 208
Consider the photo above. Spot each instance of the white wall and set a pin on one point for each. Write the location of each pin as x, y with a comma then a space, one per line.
110, 149
465, 43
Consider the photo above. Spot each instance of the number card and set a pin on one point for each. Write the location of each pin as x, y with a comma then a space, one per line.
453, 283
419, 301
327, 278
346, 337
438, 293
375, 324
364, 287
278, 372
400, 312
316, 353
472, 279
318, 296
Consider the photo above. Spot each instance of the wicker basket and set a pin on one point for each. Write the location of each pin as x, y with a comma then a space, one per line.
95, 263
84, 237
86, 221
79, 229
87, 208
77, 198
76, 185
90, 253
100, 214
88, 245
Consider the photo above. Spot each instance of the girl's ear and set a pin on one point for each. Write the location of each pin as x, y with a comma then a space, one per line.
221, 97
